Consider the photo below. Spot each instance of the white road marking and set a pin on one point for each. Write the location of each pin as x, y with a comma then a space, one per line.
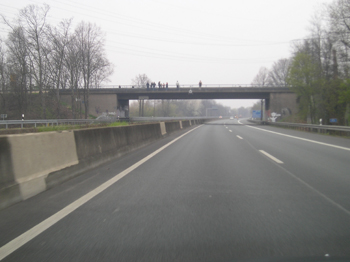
239, 137
230, 131
271, 157
47, 223
300, 138
305, 183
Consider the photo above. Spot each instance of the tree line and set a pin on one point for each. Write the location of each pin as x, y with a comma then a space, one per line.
319, 67
38, 59
188, 108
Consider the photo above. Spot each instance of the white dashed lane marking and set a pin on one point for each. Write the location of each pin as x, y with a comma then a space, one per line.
271, 157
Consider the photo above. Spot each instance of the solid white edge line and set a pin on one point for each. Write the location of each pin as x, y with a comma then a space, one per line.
271, 157
19, 241
300, 138
239, 137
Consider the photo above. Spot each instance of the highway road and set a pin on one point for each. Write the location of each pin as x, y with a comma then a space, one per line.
224, 191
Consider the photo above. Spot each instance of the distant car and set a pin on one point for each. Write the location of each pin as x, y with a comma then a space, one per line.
231, 117
220, 116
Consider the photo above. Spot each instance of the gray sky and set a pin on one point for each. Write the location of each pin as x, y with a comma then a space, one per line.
217, 42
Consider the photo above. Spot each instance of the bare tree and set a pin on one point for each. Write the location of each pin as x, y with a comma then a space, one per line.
102, 73
339, 30
33, 21
18, 67
59, 38
262, 78
140, 80
279, 73
72, 73
91, 48
339, 14
3, 74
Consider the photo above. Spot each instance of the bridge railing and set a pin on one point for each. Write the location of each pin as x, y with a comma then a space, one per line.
193, 86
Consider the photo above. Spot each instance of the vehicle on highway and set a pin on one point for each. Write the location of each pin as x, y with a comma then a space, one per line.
231, 117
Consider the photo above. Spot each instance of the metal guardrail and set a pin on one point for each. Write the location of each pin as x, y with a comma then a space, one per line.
48, 122
157, 119
308, 127
57, 122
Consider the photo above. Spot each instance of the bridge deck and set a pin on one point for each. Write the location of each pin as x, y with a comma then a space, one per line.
190, 92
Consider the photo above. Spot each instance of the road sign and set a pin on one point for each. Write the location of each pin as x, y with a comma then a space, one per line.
256, 114
333, 120
3, 116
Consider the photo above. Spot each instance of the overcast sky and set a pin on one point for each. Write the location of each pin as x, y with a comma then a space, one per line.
217, 42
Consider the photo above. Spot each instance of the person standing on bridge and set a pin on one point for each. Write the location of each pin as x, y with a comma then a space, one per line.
147, 85
200, 84
177, 85
166, 85
159, 84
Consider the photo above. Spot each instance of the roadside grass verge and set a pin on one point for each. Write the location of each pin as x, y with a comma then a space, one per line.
58, 128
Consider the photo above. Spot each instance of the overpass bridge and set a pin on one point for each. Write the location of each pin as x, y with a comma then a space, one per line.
117, 99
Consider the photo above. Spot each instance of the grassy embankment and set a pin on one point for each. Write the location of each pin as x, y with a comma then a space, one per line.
58, 128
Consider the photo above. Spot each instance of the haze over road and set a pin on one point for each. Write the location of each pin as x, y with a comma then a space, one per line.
224, 191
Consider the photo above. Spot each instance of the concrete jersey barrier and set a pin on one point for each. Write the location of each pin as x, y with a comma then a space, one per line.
29, 159
32, 163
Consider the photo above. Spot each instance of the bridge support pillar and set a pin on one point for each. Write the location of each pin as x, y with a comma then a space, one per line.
267, 109
283, 103
123, 107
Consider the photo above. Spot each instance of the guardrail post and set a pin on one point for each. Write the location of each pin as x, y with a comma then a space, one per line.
22, 125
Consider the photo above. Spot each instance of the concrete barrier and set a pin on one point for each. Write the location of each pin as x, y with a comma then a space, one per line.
29, 159
100, 145
32, 163
162, 128
186, 123
172, 126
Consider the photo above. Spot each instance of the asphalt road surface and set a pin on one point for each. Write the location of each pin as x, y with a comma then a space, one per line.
224, 191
